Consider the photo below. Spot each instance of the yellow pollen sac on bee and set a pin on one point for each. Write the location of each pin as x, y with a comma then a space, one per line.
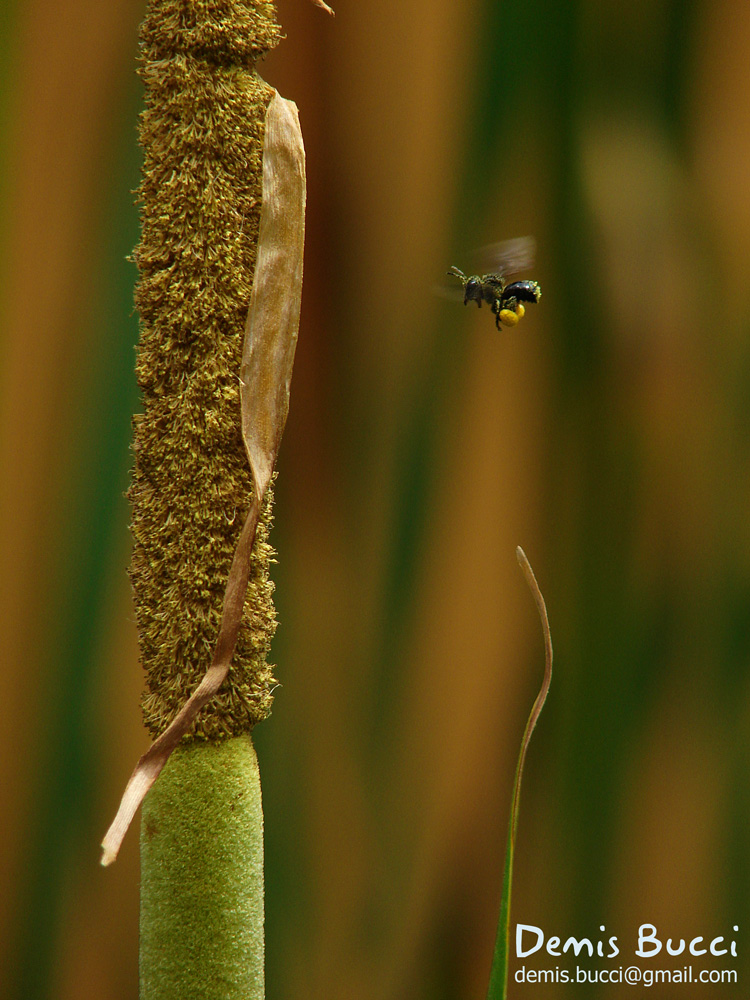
510, 317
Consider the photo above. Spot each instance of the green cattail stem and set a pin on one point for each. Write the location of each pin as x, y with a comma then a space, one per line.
202, 876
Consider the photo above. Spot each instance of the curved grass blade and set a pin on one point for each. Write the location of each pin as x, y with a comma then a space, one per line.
498, 988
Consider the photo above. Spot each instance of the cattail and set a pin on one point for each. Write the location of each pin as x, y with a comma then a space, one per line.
202, 135
220, 262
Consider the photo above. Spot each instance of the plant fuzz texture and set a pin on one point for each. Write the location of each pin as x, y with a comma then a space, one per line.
202, 136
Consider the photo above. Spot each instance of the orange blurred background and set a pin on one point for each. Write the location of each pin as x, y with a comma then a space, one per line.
608, 434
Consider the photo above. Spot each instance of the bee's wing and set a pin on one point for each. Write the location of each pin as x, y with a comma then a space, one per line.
507, 257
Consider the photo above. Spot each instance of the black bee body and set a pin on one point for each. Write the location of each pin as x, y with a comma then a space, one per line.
522, 291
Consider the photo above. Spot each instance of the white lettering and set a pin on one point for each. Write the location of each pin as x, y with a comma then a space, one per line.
578, 946
552, 945
714, 949
647, 938
694, 949
520, 928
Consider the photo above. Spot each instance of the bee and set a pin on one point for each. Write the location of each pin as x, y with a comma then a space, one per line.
505, 299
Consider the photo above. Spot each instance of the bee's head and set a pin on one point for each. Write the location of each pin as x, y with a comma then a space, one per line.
473, 290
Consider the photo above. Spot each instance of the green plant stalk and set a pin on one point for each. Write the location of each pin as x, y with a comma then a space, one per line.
202, 876
498, 986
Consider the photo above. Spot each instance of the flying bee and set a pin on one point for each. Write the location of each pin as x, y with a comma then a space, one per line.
505, 299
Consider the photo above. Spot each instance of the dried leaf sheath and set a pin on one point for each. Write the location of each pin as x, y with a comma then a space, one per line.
273, 317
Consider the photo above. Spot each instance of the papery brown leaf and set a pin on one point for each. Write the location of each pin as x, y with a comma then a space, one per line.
273, 316
149, 766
